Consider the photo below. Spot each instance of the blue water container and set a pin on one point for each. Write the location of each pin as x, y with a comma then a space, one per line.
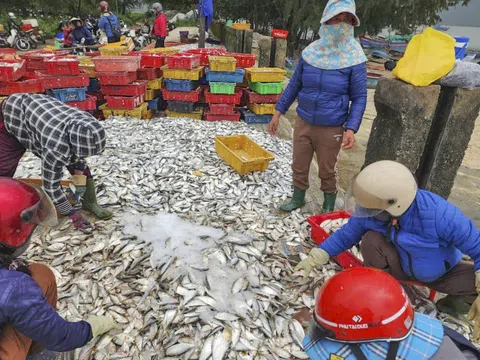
461, 46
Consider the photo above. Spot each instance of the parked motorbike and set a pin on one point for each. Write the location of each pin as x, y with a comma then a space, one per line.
144, 37
37, 34
129, 33
14, 40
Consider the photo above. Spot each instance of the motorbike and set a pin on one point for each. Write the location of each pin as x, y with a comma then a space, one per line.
37, 35
133, 35
144, 36
16, 39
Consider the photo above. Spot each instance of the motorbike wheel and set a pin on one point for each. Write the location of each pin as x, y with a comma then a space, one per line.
22, 44
33, 44
41, 39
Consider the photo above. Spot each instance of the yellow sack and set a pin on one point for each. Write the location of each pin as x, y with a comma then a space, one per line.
428, 57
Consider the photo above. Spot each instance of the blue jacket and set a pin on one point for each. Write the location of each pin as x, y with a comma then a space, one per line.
324, 96
104, 23
23, 305
79, 33
433, 235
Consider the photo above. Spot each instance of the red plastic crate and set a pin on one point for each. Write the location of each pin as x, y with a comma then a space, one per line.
253, 98
60, 82
279, 34
12, 70
30, 74
222, 98
149, 60
116, 78
93, 53
26, 27
35, 59
222, 109
62, 66
183, 61
124, 102
33, 86
133, 89
148, 73
116, 63
244, 60
7, 51
88, 105
233, 117
97, 94
205, 53
190, 96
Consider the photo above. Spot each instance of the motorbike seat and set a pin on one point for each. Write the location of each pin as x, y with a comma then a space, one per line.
3, 33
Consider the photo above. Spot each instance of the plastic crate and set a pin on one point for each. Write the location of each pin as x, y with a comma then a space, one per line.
181, 106
279, 34
222, 98
155, 84
151, 94
241, 26
117, 50
253, 97
12, 70
222, 63
148, 73
244, 60
205, 53
242, 153
33, 86
222, 109
90, 70
62, 66
62, 81
26, 27
116, 63
182, 74
183, 61
222, 88
266, 75
252, 118
150, 60
190, 96
461, 46
98, 95
197, 114
139, 112
133, 89
213, 117
262, 109
35, 59
153, 104
70, 94
180, 85
94, 85
117, 78
222, 76
266, 88
166, 50
7, 52
89, 104
124, 102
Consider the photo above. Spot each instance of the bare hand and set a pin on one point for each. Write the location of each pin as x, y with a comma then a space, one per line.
348, 139
273, 125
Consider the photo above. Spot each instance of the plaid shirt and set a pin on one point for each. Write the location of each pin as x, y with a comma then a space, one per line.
58, 134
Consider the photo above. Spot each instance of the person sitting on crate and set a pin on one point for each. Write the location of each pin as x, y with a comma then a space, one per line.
330, 82
160, 25
80, 34
364, 313
108, 22
28, 291
61, 136
412, 234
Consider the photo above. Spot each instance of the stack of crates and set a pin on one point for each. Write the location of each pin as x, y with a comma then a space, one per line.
264, 88
12, 81
181, 75
115, 74
93, 90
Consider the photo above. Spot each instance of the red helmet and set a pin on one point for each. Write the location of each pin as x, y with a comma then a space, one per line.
104, 6
363, 304
22, 207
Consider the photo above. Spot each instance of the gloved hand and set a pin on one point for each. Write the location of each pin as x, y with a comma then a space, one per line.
101, 324
474, 313
80, 222
82, 41
317, 258
80, 182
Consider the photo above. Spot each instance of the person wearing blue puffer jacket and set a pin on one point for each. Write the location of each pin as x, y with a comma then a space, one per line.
330, 82
414, 235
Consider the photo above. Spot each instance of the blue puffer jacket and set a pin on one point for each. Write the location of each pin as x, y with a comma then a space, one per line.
433, 235
324, 96
23, 305
107, 21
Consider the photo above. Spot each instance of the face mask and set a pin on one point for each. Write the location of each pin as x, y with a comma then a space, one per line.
336, 34
383, 216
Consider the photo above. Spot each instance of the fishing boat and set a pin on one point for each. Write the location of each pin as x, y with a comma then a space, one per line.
372, 80
383, 44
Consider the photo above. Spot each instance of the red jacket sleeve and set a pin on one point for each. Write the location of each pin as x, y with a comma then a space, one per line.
160, 25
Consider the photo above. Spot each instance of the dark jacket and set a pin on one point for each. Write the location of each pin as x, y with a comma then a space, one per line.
80, 33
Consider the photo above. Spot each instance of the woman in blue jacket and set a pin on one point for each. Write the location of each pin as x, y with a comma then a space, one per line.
28, 292
330, 82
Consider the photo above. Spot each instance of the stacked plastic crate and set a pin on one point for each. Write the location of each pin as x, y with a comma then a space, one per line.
12, 77
265, 86
181, 75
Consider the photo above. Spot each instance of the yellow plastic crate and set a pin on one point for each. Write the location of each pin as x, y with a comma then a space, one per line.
139, 112
197, 115
222, 63
240, 26
151, 94
242, 153
155, 84
265, 74
85, 60
166, 51
90, 70
147, 115
1, 27
183, 74
262, 109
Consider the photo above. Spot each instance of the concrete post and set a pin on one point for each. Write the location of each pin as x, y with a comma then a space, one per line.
281, 53
265, 45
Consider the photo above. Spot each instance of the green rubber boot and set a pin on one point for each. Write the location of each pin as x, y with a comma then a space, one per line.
329, 202
90, 204
297, 201
453, 305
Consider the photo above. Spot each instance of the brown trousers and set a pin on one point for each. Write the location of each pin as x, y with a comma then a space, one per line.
14, 345
326, 142
380, 254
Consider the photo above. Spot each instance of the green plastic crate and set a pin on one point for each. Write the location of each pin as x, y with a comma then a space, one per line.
266, 88
222, 88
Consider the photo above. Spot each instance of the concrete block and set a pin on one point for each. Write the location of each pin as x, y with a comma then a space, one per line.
281, 53
265, 44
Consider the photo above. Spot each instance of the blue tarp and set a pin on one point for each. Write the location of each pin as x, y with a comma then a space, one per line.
206, 7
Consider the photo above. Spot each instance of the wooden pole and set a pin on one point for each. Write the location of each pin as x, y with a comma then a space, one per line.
201, 29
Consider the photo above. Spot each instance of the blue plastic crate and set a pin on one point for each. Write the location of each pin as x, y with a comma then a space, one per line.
180, 85
153, 104
223, 76
251, 118
461, 46
94, 85
203, 80
69, 94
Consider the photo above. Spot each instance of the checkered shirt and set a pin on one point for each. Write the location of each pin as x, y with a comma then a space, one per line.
58, 134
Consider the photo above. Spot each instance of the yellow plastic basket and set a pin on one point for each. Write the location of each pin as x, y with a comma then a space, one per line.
155, 84
166, 51
197, 115
90, 70
265, 74
262, 109
183, 74
147, 115
85, 60
139, 112
222, 63
242, 153
113, 51
240, 26
151, 94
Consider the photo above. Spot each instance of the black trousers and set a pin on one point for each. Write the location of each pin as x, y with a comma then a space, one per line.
113, 39
160, 43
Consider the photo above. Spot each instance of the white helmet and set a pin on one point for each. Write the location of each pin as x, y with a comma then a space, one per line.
157, 6
11, 15
382, 186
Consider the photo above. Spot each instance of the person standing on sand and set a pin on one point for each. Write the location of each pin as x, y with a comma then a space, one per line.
160, 25
330, 82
